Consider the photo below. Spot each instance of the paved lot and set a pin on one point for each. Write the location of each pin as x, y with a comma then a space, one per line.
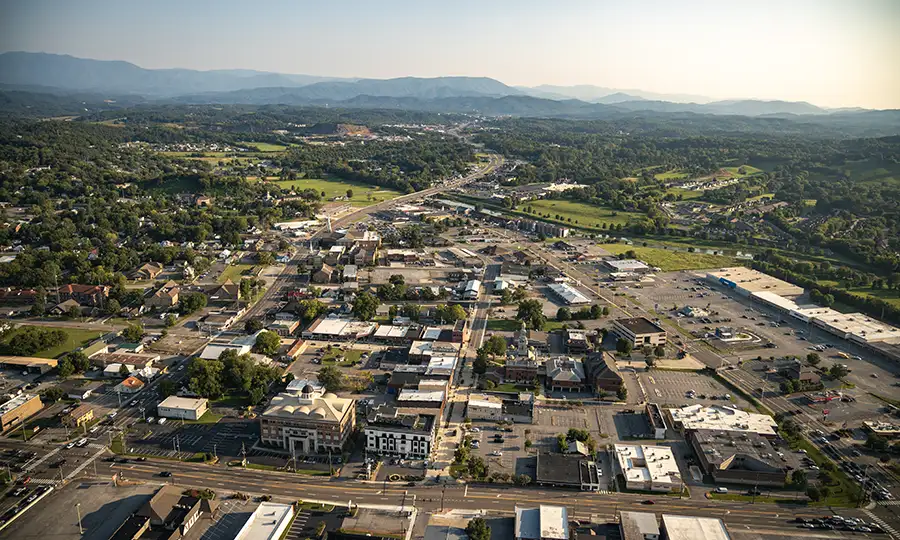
103, 509
671, 388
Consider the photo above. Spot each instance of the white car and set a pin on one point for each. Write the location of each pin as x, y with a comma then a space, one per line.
475, 430
497, 453
150, 419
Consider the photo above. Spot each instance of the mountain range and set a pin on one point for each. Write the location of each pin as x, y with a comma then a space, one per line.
62, 75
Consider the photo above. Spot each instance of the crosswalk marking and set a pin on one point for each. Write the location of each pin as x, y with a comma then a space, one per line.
887, 528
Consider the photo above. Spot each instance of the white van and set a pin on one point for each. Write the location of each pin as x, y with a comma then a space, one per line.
721, 490
161, 421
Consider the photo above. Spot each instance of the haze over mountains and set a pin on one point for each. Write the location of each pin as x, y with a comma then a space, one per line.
61, 75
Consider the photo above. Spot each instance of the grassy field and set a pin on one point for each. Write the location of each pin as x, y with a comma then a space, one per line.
264, 146
234, 272
75, 338
748, 170
503, 325
670, 175
686, 194
350, 357
363, 194
890, 296
208, 417
669, 260
583, 215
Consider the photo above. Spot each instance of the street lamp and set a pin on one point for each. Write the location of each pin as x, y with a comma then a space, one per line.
78, 510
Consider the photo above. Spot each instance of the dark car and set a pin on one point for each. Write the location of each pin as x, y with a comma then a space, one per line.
648, 501
165, 474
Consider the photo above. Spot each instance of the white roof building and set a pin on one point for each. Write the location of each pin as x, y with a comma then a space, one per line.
724, 418
648, 468
546, 522
694, 528
268, 522
214, 350
627, 265
568, 294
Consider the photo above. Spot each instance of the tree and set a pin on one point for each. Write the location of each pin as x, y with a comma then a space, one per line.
596, 311
479, 365
253, 326
495, 345
477, 529
331, 378
813, 493
29, 340
813, 359
622, 393
124, 371
133, 332
191, 302
257, 394
563, 314
532, 312
265, 258
799, 479
267, 343
647, 350
349, 193
170, 320
397, 279
477, 467
205, 377
365, 306
660, 351
838, 371
444, 313
73, 312
167, 387
52, 394
624, 346
65, 368
876, 442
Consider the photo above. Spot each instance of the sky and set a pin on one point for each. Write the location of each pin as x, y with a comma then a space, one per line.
833, 53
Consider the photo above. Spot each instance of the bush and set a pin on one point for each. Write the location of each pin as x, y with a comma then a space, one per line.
813, 493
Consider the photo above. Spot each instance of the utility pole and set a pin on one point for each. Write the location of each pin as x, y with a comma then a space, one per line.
78, 510
443, 490
24, 433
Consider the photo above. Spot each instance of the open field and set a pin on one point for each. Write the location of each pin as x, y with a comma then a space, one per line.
888, 295
669, 260
342, 358
74, 338
686, 194
670, 175
264, 146
235, 272
748, 170
363, 194
583, 215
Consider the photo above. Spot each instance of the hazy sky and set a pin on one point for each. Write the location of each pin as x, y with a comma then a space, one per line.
828, 52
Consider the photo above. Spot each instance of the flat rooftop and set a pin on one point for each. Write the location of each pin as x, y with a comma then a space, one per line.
626, 265
694, 528
15, 403
175, 402
569, 294
266, 522
640, 462
637, 525
860, 326
754, 281
640, 325
694, 417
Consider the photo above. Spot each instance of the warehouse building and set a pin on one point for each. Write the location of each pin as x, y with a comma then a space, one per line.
741, 458
484, 407
568, 294
16, 410
183, 408
693, 528
638, 526
545, 522
633, 266
333, 328
746, 281
270, 521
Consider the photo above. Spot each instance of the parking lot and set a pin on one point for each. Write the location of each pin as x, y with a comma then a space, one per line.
676, 388
174, 440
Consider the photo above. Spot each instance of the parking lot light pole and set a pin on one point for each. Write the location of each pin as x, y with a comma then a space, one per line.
78, 511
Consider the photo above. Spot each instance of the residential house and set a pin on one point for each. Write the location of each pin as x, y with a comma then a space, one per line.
166, 296
86, 295
227, 292
326, 274
147, 271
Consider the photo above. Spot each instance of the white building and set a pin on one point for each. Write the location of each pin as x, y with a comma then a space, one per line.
269, 521
568, 294
471, 290
694, 528
484, 407
639, 526
721, 417
746, 281
183, 408
546, 522
214, 350
648, 468
627, 265
405, 434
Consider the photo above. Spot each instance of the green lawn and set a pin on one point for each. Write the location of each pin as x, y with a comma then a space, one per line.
238, 399
234, 272
208, 417
748, 170
350, 357
363, 194
686, 194
264, 146
582, 215
670, 175
75, 338
669, 260
503, 325
890, 296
